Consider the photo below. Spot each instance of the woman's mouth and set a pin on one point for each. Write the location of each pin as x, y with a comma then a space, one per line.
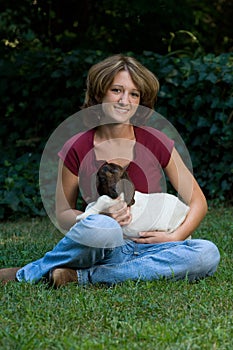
121, 110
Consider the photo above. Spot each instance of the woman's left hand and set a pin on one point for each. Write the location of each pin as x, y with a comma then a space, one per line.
151, 237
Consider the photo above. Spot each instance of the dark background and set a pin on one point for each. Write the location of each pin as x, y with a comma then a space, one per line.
47, 47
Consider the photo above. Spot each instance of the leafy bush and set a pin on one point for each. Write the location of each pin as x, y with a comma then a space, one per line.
197, 97
19, 189
42, 87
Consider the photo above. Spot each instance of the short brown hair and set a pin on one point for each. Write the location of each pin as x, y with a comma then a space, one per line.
102, 74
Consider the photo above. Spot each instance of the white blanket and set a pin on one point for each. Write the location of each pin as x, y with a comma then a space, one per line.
150, 212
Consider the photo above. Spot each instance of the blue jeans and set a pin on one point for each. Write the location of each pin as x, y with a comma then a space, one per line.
192, 259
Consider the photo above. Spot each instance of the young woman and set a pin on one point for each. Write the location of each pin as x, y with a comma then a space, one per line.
122, 92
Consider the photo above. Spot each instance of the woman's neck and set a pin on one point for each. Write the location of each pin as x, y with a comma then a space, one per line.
115, 143
114, 131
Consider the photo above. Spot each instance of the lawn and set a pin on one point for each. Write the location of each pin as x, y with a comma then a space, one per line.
132, 315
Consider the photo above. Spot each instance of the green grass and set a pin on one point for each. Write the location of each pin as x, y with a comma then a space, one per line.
132, 315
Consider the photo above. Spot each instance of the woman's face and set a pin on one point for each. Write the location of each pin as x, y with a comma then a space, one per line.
122, 98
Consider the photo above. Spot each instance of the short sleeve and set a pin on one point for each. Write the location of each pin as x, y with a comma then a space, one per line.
75, 149
157, 142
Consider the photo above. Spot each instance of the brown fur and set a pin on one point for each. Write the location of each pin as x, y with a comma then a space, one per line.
112, 180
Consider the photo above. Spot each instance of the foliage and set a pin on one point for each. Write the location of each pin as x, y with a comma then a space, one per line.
156, 315
118, 25
19, 189
41, 88
197, 97
38, 87
45, 56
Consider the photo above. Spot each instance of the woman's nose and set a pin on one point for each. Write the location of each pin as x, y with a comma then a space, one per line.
124, 99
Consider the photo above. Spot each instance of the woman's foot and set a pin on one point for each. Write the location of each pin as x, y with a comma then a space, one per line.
8, 274
61, 276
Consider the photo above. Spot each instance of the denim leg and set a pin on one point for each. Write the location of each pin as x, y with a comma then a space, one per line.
100, 231
66, 253
192, 259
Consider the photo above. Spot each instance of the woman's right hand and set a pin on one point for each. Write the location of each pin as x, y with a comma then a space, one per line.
120, 212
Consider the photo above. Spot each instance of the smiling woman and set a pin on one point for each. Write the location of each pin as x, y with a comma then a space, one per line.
122, 89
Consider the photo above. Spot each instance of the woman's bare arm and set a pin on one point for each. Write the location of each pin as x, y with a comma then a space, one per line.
188, 189
66, 197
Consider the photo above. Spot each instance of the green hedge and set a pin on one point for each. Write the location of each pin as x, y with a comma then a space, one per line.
40, 89
197, 97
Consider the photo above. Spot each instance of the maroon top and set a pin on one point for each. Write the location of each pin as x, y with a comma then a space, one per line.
152, 152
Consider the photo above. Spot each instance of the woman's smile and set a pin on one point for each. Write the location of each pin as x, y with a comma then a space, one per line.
121, 109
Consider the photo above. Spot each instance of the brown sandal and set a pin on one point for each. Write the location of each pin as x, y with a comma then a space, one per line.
8, 274
59, 277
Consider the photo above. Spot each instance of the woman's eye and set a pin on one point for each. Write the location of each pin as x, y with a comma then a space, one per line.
135, 95
116, 91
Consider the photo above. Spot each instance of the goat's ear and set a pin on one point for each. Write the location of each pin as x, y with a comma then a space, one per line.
127, 187
129, 196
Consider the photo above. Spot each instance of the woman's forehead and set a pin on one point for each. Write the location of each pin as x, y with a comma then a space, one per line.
123, 79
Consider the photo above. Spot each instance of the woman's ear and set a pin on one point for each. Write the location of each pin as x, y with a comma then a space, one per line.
98, 99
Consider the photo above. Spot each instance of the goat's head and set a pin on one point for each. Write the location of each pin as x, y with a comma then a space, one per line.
112, 180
